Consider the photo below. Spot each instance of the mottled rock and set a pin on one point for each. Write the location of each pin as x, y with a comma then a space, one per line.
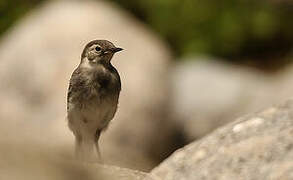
39, 54
256, 146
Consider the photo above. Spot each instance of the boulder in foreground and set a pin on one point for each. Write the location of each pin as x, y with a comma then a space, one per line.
257, 146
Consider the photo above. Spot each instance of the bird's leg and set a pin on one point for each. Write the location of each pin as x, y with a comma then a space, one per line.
97, 136
78, 147
84, 149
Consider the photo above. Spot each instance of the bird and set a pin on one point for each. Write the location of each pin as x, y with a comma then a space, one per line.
92, 98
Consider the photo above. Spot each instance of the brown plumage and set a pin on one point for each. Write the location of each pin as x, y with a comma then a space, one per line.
92, 97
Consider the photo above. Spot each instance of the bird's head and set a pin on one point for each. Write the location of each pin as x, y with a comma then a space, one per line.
99, 52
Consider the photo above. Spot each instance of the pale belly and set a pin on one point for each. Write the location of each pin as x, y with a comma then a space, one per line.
86, 121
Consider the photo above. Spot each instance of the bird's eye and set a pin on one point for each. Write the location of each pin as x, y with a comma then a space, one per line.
97, 48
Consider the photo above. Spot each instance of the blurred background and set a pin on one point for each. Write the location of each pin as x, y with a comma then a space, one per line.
253, 33
189, 67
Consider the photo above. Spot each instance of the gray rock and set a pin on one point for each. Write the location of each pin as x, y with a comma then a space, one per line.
256, 146
39, 54
207, 94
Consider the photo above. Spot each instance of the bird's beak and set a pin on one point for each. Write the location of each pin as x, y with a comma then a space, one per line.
114, 50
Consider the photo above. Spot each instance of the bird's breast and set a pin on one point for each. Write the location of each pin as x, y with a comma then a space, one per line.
106, 83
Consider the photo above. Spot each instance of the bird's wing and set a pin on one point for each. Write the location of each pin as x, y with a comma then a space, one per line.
74, 84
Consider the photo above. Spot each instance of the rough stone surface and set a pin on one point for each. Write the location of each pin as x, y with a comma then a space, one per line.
256, 146
39, 54
207, 94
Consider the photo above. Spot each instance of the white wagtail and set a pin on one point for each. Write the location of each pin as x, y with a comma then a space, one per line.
92, 97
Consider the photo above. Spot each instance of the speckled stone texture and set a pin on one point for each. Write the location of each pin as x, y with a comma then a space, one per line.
256, 146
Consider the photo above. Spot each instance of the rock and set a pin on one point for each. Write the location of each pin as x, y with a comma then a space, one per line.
112, 173
208, 93
43, 166
256, 146
31, 164
25, 156
39, 54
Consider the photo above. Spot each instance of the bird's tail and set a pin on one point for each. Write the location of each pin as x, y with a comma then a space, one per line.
85, 151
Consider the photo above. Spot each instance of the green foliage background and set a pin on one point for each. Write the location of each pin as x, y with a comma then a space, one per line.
238, 30
12, 10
